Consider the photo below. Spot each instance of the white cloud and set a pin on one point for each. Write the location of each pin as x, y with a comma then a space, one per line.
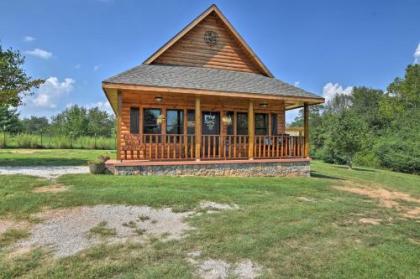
417, 55
28, 39
51, 92
40, 53
330, 90
296, 83
96, 67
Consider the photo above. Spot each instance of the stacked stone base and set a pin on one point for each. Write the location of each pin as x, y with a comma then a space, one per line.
293, 168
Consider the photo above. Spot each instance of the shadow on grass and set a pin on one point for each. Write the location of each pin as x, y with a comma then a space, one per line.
320, 175
32, 162
354, 168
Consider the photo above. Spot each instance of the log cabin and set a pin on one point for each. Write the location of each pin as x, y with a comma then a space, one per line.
205, 104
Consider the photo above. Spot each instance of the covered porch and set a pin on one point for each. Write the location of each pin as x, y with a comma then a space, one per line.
160, 126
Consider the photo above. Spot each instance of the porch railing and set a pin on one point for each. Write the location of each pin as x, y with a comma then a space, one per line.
213, 147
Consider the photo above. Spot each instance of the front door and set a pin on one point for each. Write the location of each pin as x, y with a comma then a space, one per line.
211, 134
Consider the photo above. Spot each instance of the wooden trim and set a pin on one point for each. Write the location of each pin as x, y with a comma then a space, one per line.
197, 128
306, 129
251, 130
212, 8
157, 89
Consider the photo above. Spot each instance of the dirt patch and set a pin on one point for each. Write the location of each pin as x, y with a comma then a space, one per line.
305, 199
388, 199
370, 221
23, 151
49, 172
213, 269
6, 224
219, 269
214, 206
54, 188
68, 231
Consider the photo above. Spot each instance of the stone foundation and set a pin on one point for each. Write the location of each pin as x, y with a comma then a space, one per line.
203, 168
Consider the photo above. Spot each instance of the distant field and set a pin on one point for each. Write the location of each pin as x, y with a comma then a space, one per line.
50, 157
60, 142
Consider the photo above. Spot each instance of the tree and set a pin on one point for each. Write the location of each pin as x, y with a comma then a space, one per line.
72, 122
35, 124
365, 103
100, 123
14, 82
348, 135
9, 119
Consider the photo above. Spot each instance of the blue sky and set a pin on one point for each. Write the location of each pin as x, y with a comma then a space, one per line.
325, 47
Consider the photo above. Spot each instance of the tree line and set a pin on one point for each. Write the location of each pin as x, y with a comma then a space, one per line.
74, 121
370, 127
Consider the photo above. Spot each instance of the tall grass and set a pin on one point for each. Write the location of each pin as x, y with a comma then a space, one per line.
50, 141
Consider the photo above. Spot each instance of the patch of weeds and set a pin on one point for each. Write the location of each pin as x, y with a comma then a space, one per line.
143, 218
140, 231
130, 224
165, 235
154, 221
102, 230
12, 235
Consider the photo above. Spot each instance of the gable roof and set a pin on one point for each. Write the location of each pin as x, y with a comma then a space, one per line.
208, 79
212, 9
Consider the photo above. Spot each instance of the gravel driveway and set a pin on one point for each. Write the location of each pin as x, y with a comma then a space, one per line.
45, 171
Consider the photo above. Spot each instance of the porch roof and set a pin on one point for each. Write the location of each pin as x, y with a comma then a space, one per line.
208, 79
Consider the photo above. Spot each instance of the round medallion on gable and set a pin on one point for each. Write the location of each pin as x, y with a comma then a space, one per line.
210, 37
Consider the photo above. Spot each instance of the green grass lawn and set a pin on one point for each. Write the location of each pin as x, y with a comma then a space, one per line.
50, 157
290, 237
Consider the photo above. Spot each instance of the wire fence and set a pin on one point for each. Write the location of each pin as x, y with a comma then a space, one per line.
43, 140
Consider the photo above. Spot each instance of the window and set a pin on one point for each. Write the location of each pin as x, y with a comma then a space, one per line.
151, 121
134, 120
261, 124
191, 122
274, 124
229, 124
242, 123
210, 123
174, 121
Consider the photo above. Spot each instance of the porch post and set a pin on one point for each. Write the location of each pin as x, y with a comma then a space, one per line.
197, 128
306, 129
119, 119
251, 131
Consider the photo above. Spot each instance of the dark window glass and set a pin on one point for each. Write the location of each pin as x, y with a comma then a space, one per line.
151, 121
274, 124
191, 122
210, 123
174, 121
261, 124
229, 124
134, 120
242, 123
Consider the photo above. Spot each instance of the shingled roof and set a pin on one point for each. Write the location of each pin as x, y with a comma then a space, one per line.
207, 79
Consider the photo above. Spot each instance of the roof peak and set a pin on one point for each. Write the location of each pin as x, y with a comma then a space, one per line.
212, 8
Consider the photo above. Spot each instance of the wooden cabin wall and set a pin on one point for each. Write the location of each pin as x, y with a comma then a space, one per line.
192, 50
213, 103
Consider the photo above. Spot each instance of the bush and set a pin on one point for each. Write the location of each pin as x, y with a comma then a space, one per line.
98, 166
399, 154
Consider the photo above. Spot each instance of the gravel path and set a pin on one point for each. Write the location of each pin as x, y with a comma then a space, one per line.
45, 171
68, 231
